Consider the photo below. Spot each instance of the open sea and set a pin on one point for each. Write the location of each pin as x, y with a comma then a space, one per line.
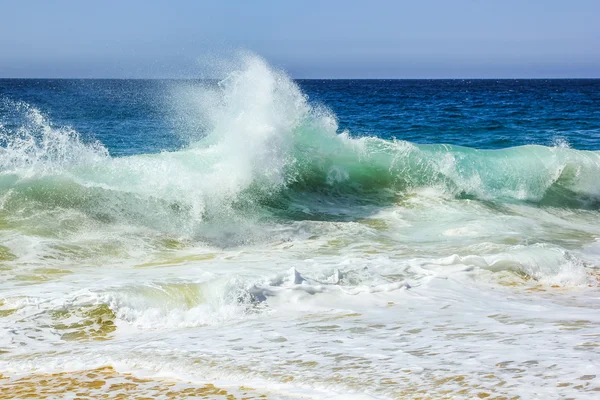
254, 236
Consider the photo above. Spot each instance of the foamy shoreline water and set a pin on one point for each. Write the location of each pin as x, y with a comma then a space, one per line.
437, 338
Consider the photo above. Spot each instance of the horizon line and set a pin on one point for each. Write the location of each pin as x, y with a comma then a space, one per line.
306, 79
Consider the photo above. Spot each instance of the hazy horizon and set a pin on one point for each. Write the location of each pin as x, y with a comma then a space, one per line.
467, 39
305, 79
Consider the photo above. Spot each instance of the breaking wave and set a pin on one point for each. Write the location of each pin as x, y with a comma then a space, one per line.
263, 152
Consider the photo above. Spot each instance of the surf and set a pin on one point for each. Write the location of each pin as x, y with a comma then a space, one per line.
274, 231
264, 151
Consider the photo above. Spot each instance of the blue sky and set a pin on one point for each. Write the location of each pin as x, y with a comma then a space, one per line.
310, 39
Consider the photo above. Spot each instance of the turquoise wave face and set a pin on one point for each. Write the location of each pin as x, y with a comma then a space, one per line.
263, 156
266, 154
289, 176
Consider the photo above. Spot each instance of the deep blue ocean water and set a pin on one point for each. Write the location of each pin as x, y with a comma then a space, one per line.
137, 116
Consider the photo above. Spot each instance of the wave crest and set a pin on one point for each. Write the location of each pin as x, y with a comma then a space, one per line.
31, 144
264, 151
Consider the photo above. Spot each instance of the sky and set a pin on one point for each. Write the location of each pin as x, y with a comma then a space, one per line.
309, 39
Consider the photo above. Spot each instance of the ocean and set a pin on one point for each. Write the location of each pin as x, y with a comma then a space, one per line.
255, 236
